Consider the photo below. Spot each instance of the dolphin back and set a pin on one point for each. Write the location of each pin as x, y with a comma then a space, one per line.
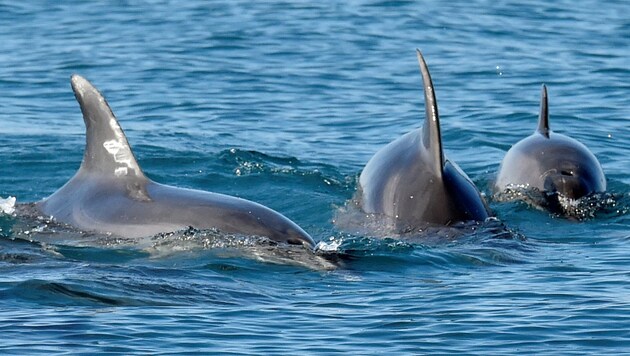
412, 181
111, 194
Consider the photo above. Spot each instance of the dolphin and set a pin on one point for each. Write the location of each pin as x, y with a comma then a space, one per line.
556, 166
111, 194
411, 182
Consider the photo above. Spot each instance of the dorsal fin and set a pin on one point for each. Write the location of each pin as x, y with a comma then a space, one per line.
431, 137
543, 119
107, 151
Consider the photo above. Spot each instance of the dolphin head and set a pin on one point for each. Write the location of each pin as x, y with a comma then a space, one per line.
575, 173
559, 164
552, 163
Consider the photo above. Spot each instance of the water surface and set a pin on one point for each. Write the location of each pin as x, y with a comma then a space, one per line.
283, 103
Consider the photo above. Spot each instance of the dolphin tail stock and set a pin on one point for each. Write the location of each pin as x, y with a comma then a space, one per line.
543, 119
107, 151
431, 136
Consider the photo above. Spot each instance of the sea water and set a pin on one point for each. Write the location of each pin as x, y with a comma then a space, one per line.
283, 103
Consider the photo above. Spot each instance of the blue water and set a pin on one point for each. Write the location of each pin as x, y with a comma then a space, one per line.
283, 103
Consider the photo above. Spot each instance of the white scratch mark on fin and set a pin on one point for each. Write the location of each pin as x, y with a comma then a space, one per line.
120, 151
121, 171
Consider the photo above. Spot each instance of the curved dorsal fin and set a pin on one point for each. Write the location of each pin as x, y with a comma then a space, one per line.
431, 137
107, 151
543, 119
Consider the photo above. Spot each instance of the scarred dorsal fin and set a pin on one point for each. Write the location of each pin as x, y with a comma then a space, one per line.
543, 119
107, 151
431, 137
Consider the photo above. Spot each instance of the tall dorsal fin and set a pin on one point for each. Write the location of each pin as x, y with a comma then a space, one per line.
431, 137
107, 151
543, 119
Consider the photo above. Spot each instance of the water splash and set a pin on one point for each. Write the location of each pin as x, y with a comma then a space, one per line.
30, 226
7, 206
585, 208
352, 219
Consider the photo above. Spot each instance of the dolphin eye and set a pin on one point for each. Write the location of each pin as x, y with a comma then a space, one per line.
567, 173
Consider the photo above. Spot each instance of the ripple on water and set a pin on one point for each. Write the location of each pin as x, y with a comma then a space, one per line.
284, 104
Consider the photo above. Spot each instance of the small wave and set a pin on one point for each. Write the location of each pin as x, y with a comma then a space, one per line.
70, 243
584, 208
467, 243
228, 245
464, 244
18, 252
254, 162
352, 219
61, 294
591, 206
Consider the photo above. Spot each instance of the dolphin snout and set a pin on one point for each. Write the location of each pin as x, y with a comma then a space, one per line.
568, 184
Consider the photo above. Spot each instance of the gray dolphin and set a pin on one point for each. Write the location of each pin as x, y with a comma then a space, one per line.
550, 163
411, 181
111, 194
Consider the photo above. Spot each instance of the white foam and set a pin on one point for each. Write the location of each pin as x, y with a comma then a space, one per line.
7, 206
331, 246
